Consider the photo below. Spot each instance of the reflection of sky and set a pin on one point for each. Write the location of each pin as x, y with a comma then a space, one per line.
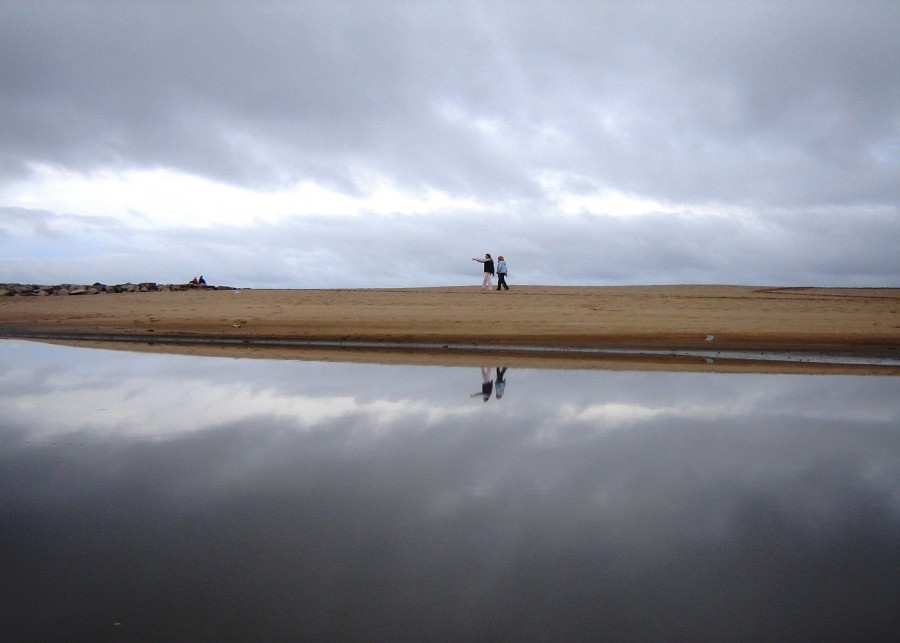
648, 505
73, 389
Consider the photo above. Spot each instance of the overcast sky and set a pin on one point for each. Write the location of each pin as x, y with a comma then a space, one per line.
385, 144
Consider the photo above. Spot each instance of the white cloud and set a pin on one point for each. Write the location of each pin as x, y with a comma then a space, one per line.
591, 142
161, 198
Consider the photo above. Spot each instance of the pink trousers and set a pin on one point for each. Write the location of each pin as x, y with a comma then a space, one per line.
487, 283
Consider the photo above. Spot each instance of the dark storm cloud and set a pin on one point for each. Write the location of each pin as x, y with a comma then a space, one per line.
788, 103
246, 93
767, 134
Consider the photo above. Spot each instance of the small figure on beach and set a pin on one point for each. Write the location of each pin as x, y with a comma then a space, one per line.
501, 273
487, 284
194, 281
487, 384
501, 383
201, 281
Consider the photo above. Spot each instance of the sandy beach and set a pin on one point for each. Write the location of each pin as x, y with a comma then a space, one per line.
656, 327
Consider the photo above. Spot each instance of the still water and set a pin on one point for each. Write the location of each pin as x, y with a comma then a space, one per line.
168, 498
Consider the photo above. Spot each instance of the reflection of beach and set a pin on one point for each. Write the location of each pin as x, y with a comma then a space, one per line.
677, 318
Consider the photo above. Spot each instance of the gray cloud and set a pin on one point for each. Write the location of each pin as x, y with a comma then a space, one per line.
777, 248
773, 107
681, 101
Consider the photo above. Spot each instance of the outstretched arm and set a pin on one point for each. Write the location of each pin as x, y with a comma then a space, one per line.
479, 260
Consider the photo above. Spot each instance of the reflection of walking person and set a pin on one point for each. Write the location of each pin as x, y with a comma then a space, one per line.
487, 283
501, 383
501, 273
487, 384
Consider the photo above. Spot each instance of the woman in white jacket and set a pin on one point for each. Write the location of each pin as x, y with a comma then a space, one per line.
501, 273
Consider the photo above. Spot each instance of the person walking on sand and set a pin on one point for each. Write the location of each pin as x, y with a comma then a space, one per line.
501, 383
487, 384
487, 284
501, 273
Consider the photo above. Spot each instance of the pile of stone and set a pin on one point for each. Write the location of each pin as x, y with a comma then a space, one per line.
32, 290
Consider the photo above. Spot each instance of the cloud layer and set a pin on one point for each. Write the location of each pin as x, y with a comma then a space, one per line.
374, 144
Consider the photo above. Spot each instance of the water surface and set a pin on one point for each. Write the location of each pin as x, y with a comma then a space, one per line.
159, 497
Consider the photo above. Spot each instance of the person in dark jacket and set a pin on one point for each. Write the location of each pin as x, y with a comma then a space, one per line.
487, 284
487, 384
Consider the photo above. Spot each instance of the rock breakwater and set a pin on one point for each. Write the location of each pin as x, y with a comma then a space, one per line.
36, 290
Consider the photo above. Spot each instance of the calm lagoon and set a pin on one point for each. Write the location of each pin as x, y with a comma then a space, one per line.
169, 498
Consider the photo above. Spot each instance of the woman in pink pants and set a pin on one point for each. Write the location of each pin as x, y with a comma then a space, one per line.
487, 283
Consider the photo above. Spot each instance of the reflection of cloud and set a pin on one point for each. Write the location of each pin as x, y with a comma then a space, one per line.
151, 408
80, 389
72, 398
616, 414
279, 479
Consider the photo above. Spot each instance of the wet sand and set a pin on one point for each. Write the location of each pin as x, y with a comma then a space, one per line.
648, 327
